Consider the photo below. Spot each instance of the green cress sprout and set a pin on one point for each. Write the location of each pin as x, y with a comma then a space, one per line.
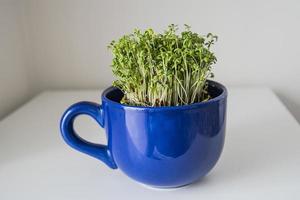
167, 69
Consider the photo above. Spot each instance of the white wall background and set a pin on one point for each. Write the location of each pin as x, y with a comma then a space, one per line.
14, 82
259, 41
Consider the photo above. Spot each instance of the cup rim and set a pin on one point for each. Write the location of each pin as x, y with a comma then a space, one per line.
218, 85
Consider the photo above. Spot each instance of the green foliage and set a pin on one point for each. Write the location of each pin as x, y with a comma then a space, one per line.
163, 69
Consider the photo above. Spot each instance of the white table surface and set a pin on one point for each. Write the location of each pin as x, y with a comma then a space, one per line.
261, 157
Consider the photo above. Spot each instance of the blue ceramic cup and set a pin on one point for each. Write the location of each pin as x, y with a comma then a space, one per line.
159, 146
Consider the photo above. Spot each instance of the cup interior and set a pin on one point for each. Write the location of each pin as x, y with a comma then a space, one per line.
214, 89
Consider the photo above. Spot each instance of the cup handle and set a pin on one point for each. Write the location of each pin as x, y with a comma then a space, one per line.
99, 151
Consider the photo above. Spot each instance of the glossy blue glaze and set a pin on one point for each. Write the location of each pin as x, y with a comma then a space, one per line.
157, 146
